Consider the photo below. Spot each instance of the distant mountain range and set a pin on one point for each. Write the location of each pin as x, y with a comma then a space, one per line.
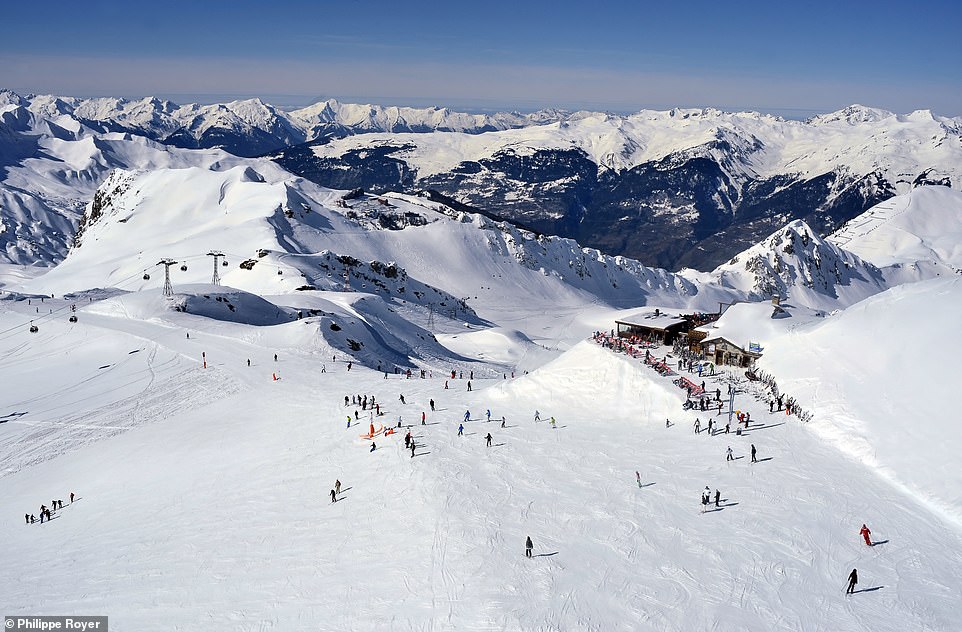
251, 127
672, 189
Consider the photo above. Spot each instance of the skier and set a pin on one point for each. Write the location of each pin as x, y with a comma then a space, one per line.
754, 460
26, 518
852, 580
865, 533
346, 401
638, 478
248, 361
730, 457
667, 423
697, 426
413, 445
553, 423
467, 415
401, 397
528, 545
43, 512
469, 386
407, 440
704, 500
488, 439
461, 430
445, 385
333, 496
537, 415
710, 422
373, 446
432, 405
489, 414
717, 497
348, 421
503, 421
337, 486
422, 417
275, 357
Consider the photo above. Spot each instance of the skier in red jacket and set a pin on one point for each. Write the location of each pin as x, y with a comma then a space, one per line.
865, 533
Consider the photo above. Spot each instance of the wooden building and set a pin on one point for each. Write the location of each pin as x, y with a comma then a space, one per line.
722, 351
655, 326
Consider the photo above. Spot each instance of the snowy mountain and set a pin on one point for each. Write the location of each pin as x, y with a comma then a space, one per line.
294, 233
796, 262
251, 127
670, 188
51, 167
673, 189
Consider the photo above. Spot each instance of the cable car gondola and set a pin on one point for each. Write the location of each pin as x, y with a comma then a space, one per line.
224, 263
33, 328
183, 268
146, 277
280, 272
73, 318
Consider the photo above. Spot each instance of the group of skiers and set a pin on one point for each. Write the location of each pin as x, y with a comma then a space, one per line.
776, 403
706, 498
853, 576
365, 401
46, 513
336, 491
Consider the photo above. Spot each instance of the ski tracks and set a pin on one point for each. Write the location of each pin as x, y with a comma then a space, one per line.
189, 389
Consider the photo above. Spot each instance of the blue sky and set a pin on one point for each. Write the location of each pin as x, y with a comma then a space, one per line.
797, 58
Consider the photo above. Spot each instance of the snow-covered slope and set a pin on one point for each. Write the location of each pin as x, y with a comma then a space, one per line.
202, 494
282, 235
880, 378
50, 169
920, 227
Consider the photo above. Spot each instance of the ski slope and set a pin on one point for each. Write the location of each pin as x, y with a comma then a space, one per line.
203, 432
203, 494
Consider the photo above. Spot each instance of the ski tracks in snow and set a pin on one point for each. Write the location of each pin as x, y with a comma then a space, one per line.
48, 439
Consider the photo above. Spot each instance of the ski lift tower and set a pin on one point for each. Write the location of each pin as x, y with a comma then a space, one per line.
215, 254
168, 288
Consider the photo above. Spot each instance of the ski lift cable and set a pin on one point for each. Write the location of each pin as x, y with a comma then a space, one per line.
30, 322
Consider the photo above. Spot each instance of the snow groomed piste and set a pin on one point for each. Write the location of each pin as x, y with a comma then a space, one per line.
209, 494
